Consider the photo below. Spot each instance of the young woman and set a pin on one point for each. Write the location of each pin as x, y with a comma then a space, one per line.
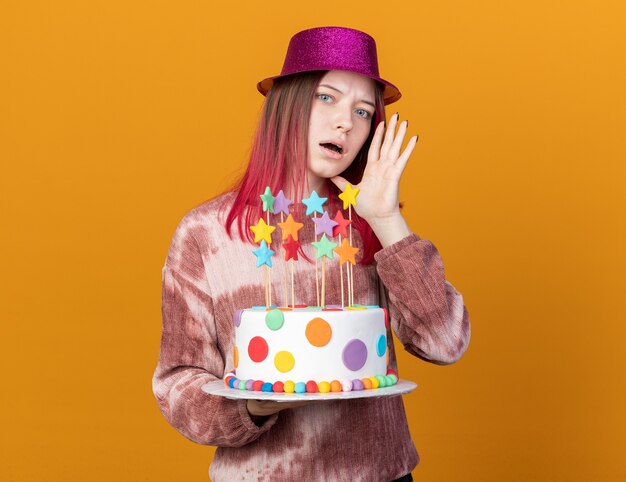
322, 126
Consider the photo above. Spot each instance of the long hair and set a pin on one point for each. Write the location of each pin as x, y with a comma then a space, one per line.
279, 157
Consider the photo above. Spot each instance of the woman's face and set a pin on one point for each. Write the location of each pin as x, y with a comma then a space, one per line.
341, 117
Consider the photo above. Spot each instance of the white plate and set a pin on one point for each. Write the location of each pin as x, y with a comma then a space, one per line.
218, 388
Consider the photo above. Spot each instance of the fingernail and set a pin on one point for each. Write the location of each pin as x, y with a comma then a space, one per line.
397, 115
407, 122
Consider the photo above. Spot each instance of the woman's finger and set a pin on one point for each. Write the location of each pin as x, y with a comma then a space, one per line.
340, 182
394, 150
389, 135
374, 153
404, 158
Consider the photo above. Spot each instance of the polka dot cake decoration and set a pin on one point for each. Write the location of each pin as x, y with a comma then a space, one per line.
381, 345
284, 361
318, 332
354, 355
238, 317
274, 319
257, 349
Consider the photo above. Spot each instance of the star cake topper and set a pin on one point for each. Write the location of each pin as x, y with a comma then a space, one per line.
263, 255
314, 203
291, 248
346, 252
324, 225
348, 196
281, 203
324, 247
290, 228
262, 231
268, 200
342, 224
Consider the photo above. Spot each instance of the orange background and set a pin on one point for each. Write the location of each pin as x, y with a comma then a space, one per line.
116, 118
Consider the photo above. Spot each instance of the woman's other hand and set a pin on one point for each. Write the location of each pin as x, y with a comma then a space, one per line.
265, 408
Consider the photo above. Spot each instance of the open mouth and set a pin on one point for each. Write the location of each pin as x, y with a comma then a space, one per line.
332, 147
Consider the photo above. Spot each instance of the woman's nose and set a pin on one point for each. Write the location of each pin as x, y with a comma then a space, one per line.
343, 120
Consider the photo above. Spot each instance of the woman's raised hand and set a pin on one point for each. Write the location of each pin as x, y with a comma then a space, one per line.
378, 201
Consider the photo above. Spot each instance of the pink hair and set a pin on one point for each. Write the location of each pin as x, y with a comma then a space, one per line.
279, 157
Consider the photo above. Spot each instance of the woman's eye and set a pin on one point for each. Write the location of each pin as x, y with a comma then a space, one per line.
324, 97
363, 113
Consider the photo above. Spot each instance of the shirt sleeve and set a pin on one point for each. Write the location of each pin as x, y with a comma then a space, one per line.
190, 358
426, 312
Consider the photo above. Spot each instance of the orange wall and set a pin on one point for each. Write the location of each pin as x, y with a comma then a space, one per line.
118, 117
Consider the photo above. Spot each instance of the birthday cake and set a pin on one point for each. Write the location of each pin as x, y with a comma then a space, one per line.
311, 349
298, 349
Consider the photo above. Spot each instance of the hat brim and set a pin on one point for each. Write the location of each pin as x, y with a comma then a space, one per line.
390, 95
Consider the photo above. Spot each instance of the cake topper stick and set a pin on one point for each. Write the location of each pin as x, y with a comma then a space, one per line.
269, 277
346, 253
268, 207
267, 295
325, 248
349, 267
285, 292
317, 276
291, 253
293, 303
339, 229
349, 276
313, 206
263, 258
350, 272
348, 196
291, 245
341, 278
269, 285
324, 225
281, 205
343, 289
323, 282
349, 279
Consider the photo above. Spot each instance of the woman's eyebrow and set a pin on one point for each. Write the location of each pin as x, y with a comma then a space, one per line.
337, 90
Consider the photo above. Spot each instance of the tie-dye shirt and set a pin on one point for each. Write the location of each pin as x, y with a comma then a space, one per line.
208, 276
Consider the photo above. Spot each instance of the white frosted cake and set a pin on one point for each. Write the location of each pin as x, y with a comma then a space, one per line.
310, 349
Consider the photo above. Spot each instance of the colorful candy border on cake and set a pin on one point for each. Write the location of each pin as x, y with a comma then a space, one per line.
289, 386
